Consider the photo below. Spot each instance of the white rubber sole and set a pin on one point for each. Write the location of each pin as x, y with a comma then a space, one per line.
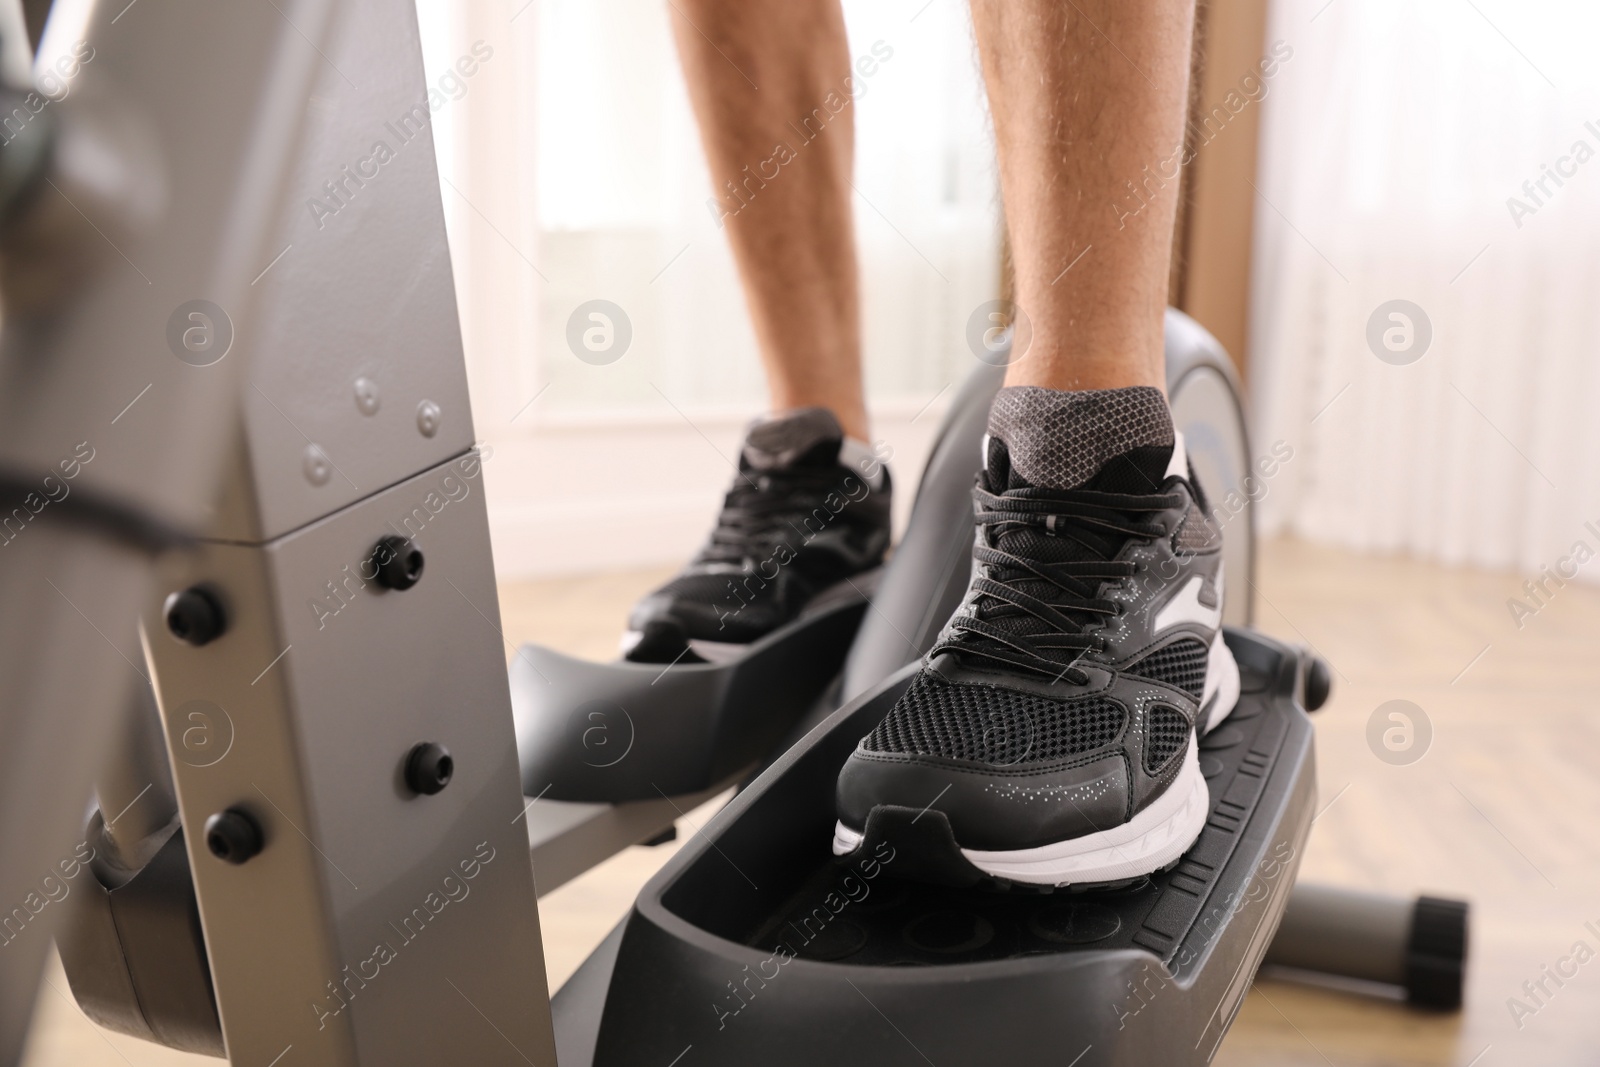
1150, 841
845, 840
718, 652
1222, 682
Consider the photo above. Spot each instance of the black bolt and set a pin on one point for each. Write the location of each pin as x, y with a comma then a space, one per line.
429, 767
194, 616
399, 562
233, 836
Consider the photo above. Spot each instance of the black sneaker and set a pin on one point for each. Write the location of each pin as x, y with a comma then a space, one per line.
1053, 726
807, 511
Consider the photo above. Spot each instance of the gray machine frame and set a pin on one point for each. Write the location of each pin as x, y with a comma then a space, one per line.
326, 401
324, 407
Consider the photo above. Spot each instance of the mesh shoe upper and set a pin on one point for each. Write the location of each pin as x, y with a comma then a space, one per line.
1061, 693
1181, 664
989, 724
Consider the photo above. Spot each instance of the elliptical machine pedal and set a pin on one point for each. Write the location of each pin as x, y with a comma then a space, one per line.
624, 731
758, 903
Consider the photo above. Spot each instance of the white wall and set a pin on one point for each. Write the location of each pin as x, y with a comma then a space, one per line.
601, 494
1396, 146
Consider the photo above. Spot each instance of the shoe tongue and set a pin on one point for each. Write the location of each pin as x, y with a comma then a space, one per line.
804, 437
1113, 440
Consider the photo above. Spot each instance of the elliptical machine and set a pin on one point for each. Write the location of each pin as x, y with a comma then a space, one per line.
754, 942
315, 857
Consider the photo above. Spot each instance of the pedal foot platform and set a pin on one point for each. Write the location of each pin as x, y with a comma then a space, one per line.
755, 944
615, 732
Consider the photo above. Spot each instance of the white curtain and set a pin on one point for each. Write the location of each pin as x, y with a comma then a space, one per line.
1445, 153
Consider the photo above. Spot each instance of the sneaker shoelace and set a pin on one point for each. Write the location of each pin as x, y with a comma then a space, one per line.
765, 509
1037, 615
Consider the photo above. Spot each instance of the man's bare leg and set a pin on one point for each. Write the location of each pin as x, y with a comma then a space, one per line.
757, 72
1085, 95
770, 82
1097, 577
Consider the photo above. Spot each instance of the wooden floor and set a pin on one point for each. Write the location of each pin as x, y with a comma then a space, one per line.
1504, 809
